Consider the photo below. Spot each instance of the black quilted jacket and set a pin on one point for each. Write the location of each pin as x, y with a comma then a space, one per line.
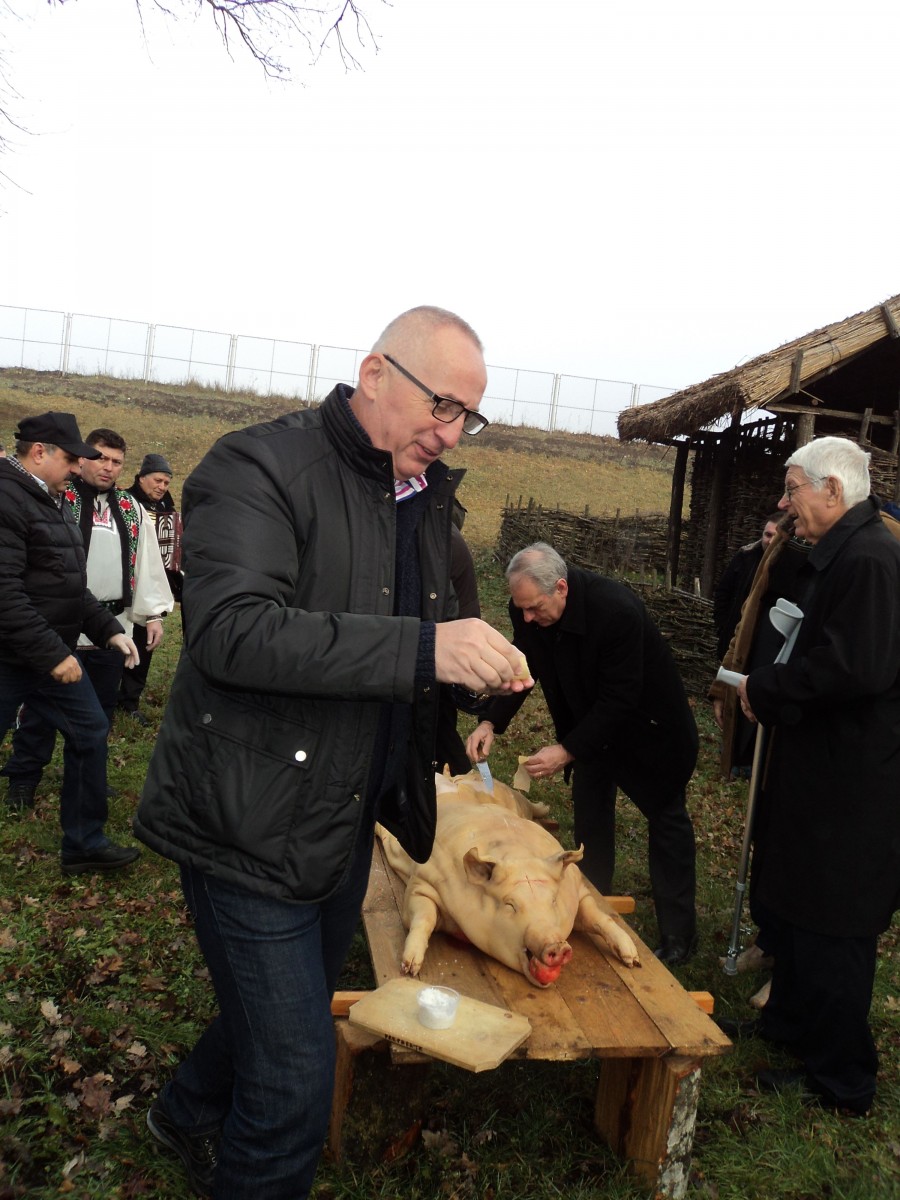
292, 649
44, 600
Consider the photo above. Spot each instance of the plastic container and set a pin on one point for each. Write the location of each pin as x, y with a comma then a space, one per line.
437, 1006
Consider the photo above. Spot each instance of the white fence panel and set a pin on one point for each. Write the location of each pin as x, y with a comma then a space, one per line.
43, 340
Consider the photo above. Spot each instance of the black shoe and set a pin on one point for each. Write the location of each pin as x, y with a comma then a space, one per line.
739, 1027
675, 951
790, 1079
104, 858
20, 796
198, 1151
111, 793
138, 717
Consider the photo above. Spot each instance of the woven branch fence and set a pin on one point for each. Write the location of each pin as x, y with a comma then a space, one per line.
632, 549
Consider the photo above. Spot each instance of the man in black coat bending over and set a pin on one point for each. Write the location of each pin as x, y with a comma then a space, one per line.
622, 720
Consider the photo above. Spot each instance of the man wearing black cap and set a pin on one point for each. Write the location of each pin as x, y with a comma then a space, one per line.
151, 490
44, 606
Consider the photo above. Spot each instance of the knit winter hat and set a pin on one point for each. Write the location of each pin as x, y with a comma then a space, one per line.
153, 463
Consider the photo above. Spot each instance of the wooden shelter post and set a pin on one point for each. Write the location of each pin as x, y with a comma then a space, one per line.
676, 505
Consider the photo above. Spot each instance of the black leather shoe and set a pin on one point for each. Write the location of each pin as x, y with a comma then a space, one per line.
104, 858
788, 1079
198, 1151
138, 717
20, 796
791, 1079
675, 951
739, 1027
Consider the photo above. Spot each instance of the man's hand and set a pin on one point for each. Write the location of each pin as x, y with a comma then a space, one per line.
154, 633
479, 742
126, 646
745, 703
68, 671
473, 654
718, 707
547, 761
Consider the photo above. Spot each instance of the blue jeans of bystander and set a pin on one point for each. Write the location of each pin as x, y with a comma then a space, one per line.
263, 1070
73, 709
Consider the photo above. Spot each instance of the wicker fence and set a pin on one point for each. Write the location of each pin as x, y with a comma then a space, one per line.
633, 549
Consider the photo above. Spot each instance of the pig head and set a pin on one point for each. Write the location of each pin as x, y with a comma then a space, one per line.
503, 883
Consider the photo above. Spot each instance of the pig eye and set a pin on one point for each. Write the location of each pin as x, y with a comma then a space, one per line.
509, 904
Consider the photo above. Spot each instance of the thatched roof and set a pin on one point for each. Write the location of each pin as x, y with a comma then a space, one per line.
780, 373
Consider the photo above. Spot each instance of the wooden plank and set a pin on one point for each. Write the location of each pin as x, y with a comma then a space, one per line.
341, 1002
687, 1030
705, 1001
779, 406
609, 1015
479, 1039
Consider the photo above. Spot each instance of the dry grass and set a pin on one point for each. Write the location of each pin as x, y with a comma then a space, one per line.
564, 470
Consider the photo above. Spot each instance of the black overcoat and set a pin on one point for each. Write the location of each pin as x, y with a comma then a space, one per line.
827, 854
611, 684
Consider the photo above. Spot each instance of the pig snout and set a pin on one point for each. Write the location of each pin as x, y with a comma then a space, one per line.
545, 967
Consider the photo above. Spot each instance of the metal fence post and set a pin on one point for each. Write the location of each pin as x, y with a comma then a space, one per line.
229, 369
64, 348
313, 377
554, 404
148, 352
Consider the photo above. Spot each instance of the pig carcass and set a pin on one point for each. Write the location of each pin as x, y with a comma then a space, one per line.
497, 879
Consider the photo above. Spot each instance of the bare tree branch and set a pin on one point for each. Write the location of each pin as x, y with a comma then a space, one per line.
269, 30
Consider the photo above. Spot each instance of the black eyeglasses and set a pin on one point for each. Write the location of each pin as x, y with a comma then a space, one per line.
443, 407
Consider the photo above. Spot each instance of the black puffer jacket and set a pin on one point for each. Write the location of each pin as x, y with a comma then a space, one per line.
263, 758
44, 601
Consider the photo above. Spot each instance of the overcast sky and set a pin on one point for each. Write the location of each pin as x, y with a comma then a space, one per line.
648, 192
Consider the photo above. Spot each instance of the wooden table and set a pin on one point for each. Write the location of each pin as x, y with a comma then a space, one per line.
649, 1033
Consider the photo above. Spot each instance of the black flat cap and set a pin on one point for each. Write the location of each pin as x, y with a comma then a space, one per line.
56, 429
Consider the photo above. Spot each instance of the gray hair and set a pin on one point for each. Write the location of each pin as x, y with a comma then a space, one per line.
540, 563
416, 323
839, 458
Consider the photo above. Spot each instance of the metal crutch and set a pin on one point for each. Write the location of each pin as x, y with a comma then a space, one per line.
786, 618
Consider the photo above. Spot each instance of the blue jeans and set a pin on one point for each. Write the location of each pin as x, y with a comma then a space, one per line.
263, 1070
35, 737
73, 709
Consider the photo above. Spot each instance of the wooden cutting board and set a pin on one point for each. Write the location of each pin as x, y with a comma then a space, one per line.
480, 1038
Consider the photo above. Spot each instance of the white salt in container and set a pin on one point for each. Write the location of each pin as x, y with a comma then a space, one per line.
437, 1006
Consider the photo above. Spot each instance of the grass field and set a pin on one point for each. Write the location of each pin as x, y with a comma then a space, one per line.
103, 989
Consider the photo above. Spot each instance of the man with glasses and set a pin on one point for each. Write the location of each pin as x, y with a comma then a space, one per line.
317, 607
826, 868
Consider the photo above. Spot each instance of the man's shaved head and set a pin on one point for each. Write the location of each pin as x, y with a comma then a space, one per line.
407, 333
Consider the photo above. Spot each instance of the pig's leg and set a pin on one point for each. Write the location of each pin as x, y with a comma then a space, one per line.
590, 918
421, 914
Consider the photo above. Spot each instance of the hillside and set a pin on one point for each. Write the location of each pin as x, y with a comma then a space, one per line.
566, 470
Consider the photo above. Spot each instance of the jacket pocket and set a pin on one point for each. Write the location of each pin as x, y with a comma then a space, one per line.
244, 775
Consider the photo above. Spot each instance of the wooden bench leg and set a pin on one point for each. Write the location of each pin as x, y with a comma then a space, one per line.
646, 1110
349, 1042
400, 1089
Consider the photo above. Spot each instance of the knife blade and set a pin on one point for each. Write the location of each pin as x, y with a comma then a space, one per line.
485, 772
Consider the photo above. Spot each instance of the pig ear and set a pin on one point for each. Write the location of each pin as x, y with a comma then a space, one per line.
568, 856
478, 870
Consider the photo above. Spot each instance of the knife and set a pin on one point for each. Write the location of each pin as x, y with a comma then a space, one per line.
485, 772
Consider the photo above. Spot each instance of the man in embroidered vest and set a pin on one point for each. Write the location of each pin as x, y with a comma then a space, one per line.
44, 606
125, 573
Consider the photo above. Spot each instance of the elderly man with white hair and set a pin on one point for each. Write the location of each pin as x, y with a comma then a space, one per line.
827, 859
